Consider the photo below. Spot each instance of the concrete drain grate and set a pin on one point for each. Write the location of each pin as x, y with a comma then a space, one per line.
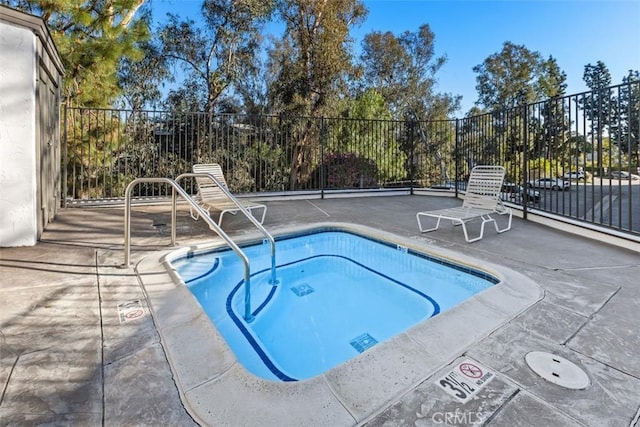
557, 370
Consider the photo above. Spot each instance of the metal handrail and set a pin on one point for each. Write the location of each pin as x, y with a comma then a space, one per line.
215, 227
229, 194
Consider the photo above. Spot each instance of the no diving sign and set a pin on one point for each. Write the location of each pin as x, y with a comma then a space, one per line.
465, 380
130, 310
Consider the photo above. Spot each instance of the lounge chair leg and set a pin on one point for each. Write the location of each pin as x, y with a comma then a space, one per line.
194, 216
475, 239
264, 212
466, 236
424, 230
507, 228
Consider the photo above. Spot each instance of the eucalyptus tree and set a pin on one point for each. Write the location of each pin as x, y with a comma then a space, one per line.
403, 69
512, 77
386, 67
217, 52
141, 80
214, 52
92, 37
311, 63
513, 83
314, 56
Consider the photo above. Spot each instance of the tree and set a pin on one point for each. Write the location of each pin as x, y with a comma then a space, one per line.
552, 80
512, 83
597, 104
93, 37
385, 63
367, 132
403, 70
217, 54
315, 53
626, 116
141, 80
597, 76
512, 77
311, 62
555, 123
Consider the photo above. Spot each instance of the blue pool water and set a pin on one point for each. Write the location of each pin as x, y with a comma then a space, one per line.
338, 294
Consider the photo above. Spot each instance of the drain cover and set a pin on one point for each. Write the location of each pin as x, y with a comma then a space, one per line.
363, 342
557, 370
302, 290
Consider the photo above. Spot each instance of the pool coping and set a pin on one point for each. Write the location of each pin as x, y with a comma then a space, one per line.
216, 389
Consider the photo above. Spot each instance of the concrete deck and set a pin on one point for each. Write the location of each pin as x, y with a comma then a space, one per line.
70, 356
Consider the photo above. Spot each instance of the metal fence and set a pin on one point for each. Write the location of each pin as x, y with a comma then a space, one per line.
588, 142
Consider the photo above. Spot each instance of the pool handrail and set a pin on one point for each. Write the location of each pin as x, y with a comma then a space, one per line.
215, 227
254, 221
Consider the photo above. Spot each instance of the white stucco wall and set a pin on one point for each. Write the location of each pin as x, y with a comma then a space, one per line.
18, 188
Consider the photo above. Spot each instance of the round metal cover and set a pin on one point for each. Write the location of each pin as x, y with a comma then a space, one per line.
557, 370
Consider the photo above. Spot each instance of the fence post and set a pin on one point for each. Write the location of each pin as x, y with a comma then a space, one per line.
323, 138
65, 158
525, 161
412, 159
456, 158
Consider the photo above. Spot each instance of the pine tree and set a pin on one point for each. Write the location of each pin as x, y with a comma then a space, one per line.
598, 104
626, 117
92, 38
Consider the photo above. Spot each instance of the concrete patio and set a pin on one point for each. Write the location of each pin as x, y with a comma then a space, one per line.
69, 355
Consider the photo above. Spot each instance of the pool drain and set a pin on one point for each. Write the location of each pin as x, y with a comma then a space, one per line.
557, 370
303, 289
363, 342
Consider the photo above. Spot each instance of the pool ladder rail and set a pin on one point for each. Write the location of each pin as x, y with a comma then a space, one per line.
177, 189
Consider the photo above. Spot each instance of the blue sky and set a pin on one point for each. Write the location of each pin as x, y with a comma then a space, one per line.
575, 32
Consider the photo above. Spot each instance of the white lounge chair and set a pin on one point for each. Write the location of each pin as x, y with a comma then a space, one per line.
211, 198
481, 200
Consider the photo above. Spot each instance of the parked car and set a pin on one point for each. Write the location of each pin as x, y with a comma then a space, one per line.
551, 183
622, 175
577, 175
516, 193
450, 185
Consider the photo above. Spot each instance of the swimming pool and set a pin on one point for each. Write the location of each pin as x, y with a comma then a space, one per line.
338, 294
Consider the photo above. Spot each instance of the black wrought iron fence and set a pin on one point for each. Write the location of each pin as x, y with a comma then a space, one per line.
575, 156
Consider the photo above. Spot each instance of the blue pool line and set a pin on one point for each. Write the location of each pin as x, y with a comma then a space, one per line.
245, 332
211, 270
256, 347
465, 269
